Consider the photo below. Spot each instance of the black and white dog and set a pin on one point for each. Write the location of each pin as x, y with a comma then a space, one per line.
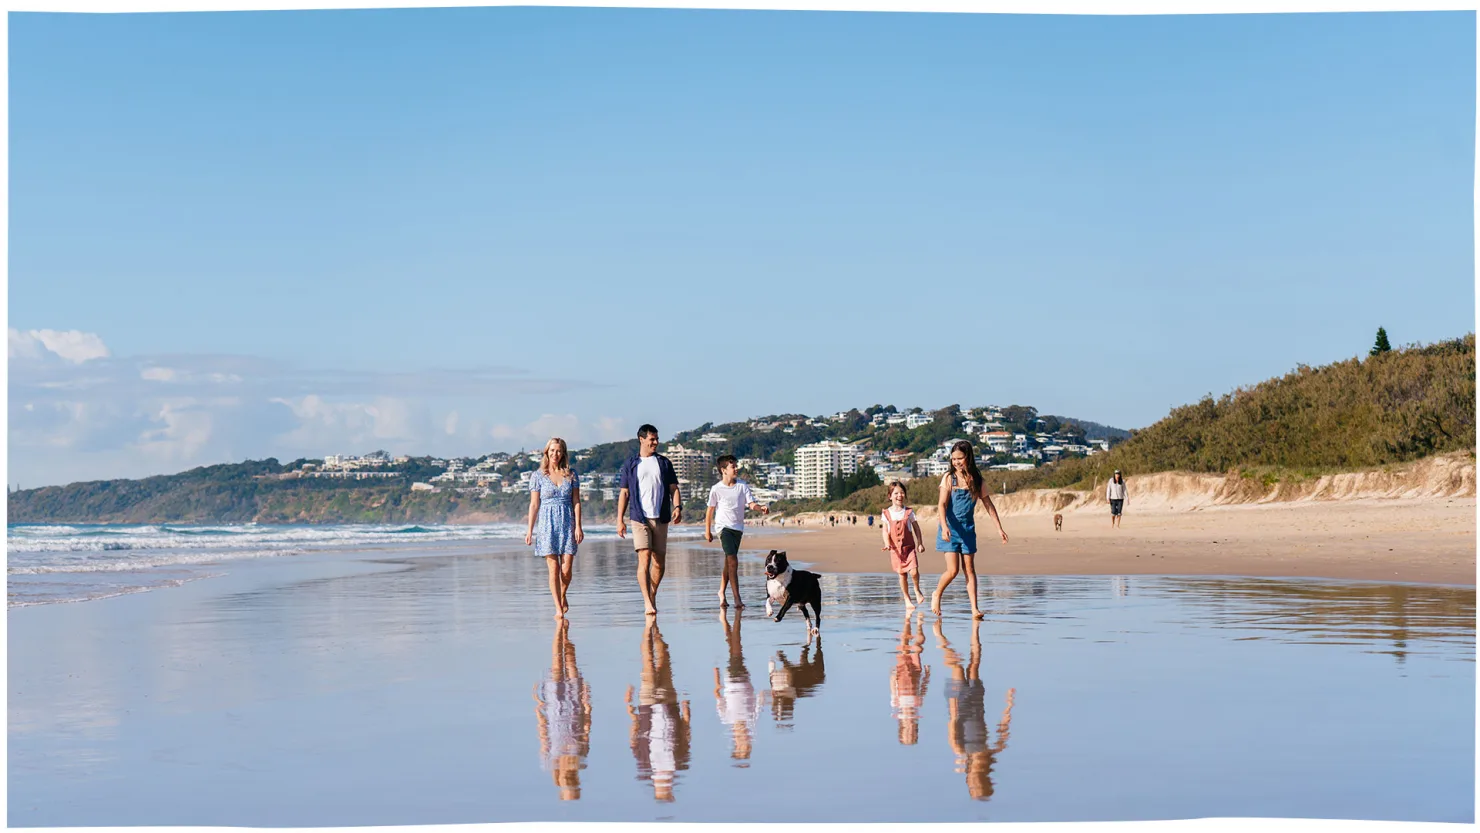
787, 587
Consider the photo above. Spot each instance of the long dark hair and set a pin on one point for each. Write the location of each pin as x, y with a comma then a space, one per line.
971, 470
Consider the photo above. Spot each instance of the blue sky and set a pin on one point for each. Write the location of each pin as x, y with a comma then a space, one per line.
456, 231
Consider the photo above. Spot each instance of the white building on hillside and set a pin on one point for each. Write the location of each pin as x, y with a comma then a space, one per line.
816, 461
916, 420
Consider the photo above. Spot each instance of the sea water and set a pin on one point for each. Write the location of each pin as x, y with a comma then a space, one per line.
412, 686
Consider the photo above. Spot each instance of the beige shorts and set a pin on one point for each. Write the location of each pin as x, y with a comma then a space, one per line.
650, 535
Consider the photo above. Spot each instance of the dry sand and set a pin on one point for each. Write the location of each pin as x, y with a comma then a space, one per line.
1426, 540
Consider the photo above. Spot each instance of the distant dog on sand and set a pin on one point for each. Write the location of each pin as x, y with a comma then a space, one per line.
1058, 522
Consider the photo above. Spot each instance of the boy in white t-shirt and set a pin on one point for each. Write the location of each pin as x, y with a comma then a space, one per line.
728, 500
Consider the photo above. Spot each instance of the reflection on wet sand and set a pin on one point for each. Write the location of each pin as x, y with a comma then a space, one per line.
734, 695
967, 721
790, 683
909, 681
564, 712
660, 724
1387, 617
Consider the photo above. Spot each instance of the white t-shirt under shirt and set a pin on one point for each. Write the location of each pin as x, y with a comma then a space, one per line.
893, 514
729, 504
650, 485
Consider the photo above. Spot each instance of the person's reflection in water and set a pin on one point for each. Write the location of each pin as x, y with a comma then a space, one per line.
660, 725
564, 712
967, 721
790, 683
734, 695
908, 683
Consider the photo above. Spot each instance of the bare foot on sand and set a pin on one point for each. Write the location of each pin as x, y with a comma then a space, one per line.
919, 598
935, 603
908, 605
651, 611
977, 614
559, 615
739, 604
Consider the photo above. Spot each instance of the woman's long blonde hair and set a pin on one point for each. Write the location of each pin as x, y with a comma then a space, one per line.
547, 465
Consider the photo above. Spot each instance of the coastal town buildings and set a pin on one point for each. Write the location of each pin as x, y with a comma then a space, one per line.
918, 420
815, 462
694, 469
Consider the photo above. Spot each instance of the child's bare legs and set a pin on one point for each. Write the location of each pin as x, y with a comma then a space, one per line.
553, 563
904, 590
730, 580
567, 562
915, 574
953, 566
969, 560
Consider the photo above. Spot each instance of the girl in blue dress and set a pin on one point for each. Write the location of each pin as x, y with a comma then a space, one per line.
960, 489
555, 518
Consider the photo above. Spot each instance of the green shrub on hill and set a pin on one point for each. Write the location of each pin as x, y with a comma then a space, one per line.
1390, 407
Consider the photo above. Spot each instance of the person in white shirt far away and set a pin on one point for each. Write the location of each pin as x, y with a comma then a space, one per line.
1115, 493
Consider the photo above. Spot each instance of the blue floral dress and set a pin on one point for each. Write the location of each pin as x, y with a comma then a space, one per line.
555, 526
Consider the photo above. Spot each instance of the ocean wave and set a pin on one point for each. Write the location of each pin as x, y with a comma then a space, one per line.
136, 563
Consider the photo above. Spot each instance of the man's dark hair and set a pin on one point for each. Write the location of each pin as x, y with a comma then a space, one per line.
725, 460
646, 431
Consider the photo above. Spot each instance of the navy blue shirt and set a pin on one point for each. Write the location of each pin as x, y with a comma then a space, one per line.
666, 475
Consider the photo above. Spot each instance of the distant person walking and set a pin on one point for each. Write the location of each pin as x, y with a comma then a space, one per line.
555, 518
960, 489
650, 491
1115, 493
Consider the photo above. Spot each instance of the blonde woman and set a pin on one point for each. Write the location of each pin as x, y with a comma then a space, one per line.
555, 518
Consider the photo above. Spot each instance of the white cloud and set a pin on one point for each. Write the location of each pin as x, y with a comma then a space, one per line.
569, 427
72, 346
77, 412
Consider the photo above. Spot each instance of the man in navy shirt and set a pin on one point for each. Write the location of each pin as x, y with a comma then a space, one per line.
650, 489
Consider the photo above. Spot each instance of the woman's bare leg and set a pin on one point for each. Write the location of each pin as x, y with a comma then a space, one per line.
567, 565
904, 590
553, 563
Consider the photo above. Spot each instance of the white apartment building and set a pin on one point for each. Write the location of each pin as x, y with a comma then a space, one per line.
816, 461
695, 469
916, 420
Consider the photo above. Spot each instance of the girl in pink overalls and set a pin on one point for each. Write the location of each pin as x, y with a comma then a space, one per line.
902, 539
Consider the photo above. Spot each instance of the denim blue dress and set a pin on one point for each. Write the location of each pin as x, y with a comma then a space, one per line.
961, 520
555, 526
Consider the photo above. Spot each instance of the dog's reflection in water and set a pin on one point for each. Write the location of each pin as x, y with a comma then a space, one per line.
563, 709
790, 683
660, 724
966, 724
909, 681
734, 695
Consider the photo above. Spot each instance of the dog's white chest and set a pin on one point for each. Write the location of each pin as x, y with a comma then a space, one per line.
776, 587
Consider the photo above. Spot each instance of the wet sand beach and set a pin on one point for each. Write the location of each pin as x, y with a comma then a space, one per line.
415, 686
1430, 540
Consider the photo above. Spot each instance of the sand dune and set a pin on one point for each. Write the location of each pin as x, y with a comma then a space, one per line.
1412, 523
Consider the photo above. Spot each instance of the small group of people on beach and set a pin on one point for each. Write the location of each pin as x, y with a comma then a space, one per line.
960, 490
650, 501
